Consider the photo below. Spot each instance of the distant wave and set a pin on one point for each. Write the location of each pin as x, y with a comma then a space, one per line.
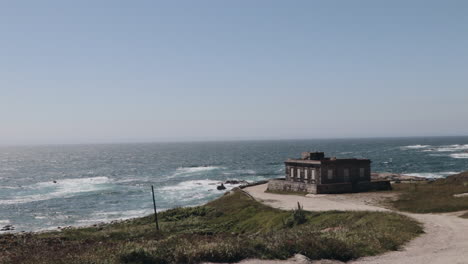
196, 169
449, 148
459, 155
240, 172
416, 146
61, 189
189, 171
431, 175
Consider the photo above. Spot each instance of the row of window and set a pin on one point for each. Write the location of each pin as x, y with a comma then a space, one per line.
330, 173
306, 174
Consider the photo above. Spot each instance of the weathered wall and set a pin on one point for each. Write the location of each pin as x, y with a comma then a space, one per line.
335, 188
338, 167
290, 186
321, 168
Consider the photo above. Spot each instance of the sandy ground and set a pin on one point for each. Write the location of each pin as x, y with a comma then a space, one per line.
445, 240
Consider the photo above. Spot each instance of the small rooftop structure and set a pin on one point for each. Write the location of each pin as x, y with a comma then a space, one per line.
316, 173
313, 155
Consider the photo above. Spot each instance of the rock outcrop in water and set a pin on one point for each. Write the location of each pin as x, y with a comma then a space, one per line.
236, 182
8, 228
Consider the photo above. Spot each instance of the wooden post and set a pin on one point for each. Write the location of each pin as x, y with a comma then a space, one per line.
155, 212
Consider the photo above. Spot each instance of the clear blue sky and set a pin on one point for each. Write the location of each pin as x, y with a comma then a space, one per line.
113, 71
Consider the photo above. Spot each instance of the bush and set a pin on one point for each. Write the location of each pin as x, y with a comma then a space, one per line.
140, 256
180, 213
298, 217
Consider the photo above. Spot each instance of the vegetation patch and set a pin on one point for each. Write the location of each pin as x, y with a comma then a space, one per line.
433, 197
229, 229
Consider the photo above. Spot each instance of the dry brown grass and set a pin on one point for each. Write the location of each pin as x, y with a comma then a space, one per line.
433, 197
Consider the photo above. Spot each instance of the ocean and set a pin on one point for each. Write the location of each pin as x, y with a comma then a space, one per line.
50, 186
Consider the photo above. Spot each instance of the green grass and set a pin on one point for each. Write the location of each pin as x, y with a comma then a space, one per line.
435, 197
228, 229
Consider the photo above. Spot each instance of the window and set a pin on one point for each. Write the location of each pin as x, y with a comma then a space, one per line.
346, 174
291, 174
298, 173
330, 174
306, 174
313, 174
361, 172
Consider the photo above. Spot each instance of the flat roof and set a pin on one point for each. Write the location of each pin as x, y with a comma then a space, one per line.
321, 161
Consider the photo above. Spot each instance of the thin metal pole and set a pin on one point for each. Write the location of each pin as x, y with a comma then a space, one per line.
155, 212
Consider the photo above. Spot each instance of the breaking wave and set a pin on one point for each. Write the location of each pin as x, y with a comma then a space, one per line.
432, 175
61, 189
459, 155
193, 190
102, 217
189, 171
240, 172
416, 146
449, 148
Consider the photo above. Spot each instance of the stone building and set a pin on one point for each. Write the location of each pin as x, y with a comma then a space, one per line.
315, 173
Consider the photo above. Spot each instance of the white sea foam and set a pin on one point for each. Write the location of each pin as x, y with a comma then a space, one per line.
449, 148
62, 189
100, 217
4, 222
196, 169
459, 155
416, 146
189, 171
240, 172
431, 175
192, 190
195, 184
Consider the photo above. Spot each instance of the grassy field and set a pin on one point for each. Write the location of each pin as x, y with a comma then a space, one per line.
433, 197
228, 229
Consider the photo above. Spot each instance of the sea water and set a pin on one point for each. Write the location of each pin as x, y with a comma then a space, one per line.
45, 187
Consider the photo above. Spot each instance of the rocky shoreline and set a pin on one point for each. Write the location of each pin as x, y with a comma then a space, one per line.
377, 176
396, 177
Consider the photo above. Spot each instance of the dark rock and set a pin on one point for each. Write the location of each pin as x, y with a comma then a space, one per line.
8, 228
235, 182
221, 187
54, 181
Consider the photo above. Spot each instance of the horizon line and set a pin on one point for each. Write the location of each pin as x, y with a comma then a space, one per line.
129, 142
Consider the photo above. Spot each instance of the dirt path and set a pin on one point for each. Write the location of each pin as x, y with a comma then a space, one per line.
445, 239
